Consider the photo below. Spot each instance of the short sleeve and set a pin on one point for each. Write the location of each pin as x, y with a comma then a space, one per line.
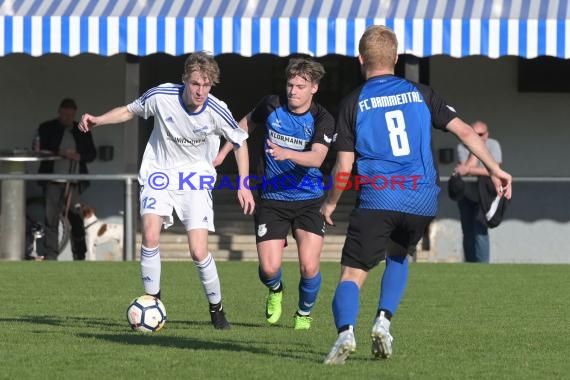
225, 122
264, 108
324, 126
441, 112
145, 106
344, 137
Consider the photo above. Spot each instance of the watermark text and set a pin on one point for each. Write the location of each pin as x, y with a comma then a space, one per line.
344, 181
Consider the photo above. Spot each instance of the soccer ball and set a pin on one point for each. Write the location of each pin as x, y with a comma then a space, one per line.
146, 314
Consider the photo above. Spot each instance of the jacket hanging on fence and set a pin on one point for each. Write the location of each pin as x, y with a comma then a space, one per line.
492, 205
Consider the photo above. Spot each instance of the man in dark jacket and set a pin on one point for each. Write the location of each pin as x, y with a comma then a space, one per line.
62, 137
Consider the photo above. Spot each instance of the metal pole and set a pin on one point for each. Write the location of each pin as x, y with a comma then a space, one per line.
13, 218
128, 253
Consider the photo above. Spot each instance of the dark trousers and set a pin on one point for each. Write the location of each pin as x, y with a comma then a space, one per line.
476, 244
55, 203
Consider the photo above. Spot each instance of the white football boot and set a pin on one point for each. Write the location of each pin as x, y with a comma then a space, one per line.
345, 345
381, 338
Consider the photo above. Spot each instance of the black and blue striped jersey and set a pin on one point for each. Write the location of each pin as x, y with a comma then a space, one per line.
387, 123
285, 180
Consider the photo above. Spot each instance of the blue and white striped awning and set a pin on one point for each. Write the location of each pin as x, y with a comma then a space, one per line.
459, 28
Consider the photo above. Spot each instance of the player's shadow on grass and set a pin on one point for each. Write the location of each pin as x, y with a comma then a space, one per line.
223, 342
178, 342
304, 353
71, 321
203, 323
74, 321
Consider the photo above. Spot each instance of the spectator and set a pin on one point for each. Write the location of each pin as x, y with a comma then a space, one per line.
476, 247
62, 136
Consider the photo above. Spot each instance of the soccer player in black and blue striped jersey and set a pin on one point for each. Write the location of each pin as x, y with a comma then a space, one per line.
298, 133
384, 127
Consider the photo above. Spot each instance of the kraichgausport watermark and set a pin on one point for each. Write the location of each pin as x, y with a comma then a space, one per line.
344, 181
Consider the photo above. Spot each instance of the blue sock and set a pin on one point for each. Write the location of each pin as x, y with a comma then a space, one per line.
308, 291
394, 283
345, 304
273, 283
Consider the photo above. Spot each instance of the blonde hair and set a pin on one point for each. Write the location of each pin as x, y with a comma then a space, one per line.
306, 68
205, 64
378, 47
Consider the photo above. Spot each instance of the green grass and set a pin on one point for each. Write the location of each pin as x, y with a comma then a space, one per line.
67, 320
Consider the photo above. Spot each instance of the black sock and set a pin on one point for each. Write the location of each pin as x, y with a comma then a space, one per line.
216, 306
343, 328
387, 314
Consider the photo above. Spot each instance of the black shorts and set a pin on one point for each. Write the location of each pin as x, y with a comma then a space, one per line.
370, 231
274, 219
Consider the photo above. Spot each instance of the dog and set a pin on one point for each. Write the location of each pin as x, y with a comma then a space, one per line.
97, 232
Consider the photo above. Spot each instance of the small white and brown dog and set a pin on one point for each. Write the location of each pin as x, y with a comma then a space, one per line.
97, 232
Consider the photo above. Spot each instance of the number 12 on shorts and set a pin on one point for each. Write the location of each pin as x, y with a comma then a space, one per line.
149, 202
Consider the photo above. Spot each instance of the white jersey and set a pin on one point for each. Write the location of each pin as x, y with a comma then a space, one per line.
181, 141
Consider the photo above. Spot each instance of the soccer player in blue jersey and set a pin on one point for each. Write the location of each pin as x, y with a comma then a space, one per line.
384, 126
188, 123
298, 133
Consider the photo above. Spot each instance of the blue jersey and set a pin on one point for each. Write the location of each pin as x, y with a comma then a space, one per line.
387, 123
285, 180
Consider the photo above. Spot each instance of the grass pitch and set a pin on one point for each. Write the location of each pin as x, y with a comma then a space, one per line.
66, 320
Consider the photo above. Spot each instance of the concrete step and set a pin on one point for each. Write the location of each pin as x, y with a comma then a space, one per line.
215, 238
236, 247
331, 252
243, 225
250, 255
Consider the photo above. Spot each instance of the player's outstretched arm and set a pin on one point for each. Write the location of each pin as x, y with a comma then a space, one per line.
114, 116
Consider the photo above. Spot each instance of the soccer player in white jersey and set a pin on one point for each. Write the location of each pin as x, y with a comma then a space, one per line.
177, 167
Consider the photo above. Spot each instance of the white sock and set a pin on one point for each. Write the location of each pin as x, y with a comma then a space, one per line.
150, 269
209, 277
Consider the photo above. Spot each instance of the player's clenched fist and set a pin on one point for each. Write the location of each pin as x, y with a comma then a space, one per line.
87, 122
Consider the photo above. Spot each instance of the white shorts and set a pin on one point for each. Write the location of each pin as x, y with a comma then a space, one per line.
193, 207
